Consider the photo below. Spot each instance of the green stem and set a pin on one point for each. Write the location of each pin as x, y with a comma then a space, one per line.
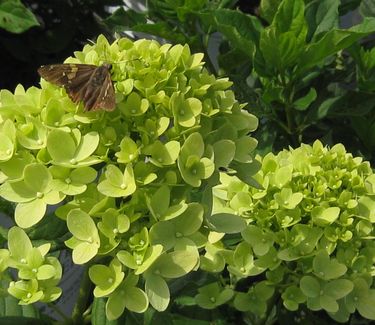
289, 96
3, 232
83, 297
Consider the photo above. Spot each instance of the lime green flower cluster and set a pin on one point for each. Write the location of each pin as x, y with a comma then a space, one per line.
38, 274
128, 182
308, 230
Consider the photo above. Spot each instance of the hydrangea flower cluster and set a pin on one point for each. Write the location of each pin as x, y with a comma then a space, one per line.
129, 182
307, 233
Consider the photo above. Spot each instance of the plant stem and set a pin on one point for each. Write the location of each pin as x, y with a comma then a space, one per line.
4, 232
83, 297
289, 96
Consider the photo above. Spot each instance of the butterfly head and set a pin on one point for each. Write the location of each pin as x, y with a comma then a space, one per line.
108, 66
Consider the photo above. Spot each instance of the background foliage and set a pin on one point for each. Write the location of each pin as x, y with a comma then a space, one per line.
33, 33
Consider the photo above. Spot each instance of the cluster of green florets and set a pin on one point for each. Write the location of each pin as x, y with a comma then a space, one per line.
309, 230
126, 180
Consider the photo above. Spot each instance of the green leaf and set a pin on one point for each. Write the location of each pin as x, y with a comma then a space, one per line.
240, 29
176, 264
190, 220
332, 42
366, 208
192, 166
86, 241
129, 19
58, 152
288, 200
224, 152
37, 177
106, 279
260, 242
134, 105
136, 300
310, 286
185, 110
212, 296
157, 292
339, 288
322, 16
19, 243
77, 149
281, 178
163, 154
81, 225
122, 19
244, 147
162, 29
29, 213
304, 102
327, 303
15, 17
268, 9
292, 297
325, 216
326, 268
290, 18
361, 298
6, 147
118, 184
226, 223
88, 144
151, 255
367, 8
243, 262
128, 152
365, 305
279, 51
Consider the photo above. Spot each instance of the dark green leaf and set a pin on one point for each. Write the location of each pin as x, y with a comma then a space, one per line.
322, 16
268, 9
15, 17
240, 29
246, 170
302, 103
226, 223
122, 19
290, 18
332, 42
367, 8
162, 29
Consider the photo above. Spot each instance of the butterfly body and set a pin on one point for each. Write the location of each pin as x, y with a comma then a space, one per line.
88, 83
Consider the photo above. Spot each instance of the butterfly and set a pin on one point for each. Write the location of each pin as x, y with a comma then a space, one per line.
88, 83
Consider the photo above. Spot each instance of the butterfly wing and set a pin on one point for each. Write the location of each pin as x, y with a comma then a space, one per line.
106, 99
67, 75
83, 82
